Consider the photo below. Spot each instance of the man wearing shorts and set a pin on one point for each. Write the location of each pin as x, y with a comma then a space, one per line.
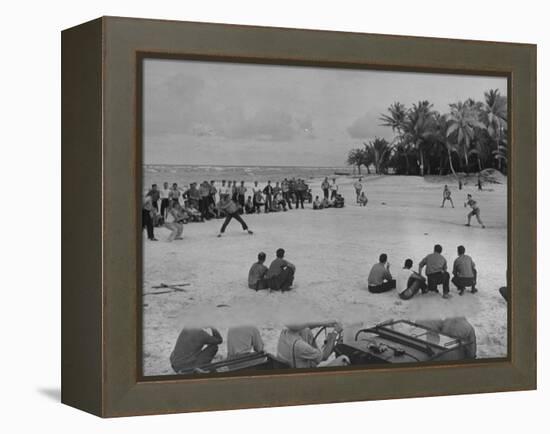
447, 197
474, 212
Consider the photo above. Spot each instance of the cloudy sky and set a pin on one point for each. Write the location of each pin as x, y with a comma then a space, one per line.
218, 113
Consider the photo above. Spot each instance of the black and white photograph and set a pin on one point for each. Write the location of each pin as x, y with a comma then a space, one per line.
315, 217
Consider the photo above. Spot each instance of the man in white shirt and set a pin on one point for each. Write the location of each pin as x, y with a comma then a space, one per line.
164, 199
408, 282
333, 189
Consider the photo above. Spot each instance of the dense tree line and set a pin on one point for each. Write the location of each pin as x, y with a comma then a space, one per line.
472, 136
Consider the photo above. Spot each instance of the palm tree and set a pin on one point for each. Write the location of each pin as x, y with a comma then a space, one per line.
380, 150
396, 118
463, 120
418, 128
443, 140
356, 158
495, 118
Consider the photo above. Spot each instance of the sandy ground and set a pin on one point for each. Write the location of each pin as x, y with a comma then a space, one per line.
333, 250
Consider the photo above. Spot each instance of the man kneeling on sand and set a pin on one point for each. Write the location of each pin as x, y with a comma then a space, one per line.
380, 278
464, 271
281, 273
408, 282
297, 347
195, 347
256, 275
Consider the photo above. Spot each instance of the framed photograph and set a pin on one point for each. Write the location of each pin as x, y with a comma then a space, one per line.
262, 217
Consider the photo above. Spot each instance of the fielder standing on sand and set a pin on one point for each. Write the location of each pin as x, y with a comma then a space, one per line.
447, 196
358, 188
474, 212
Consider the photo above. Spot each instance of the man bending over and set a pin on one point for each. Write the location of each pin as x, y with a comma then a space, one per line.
195, 347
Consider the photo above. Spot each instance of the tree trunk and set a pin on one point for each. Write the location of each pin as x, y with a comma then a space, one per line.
359, 169
421, 161
451, 163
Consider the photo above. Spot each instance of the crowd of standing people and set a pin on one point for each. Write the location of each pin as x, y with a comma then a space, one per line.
173, 206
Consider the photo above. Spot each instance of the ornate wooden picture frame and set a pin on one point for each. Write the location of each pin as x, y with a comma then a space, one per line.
102, 153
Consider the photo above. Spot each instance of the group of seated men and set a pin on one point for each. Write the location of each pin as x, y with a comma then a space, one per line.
409, 282
196, 347
337, 202
278, 277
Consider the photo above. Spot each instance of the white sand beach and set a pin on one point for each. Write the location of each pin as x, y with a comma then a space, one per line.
333, 251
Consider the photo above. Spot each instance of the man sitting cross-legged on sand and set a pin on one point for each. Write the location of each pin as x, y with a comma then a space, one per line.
436, 271
317, 204
231, 210
408, 282
464, 271
297, 347
380, 278
243, 340
281, 273
195, 347
256, 275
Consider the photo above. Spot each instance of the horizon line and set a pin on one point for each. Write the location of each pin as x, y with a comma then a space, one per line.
246, 165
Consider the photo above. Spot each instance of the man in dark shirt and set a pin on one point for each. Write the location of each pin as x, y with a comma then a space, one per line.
268, 191
155, 196
464, 271
280, 273
241, 192
256, 275
436, 271
301, 190
147, 217
380, 278
194, 347
231, 211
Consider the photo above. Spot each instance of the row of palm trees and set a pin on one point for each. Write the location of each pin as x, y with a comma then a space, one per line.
472, 136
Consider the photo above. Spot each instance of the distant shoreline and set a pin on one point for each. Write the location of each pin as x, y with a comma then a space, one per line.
247, 166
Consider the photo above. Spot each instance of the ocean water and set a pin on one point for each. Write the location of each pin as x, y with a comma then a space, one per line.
184, 175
